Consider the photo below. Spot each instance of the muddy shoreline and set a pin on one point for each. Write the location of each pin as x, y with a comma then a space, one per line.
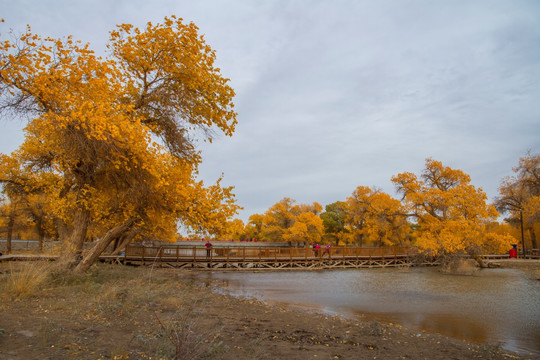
116, 312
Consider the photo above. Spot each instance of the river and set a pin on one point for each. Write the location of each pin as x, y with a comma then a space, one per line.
494, 306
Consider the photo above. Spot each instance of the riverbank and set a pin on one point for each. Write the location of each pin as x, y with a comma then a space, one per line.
522, 264
117, 312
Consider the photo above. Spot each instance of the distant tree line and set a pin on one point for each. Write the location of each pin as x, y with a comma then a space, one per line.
438, 211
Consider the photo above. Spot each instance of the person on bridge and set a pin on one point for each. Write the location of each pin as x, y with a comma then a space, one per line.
208, 248
327, 250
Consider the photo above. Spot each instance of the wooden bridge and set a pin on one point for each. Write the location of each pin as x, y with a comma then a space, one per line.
235, 256
251, 258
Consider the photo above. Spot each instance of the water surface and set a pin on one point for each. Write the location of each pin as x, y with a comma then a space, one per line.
495, 306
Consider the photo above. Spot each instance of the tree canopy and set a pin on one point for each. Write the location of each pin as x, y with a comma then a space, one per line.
111, 141
287, 221
439, 212
374, 217
110, 155
451, 214
520, 196
334, 221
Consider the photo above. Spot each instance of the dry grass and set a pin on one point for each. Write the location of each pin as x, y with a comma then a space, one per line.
111, 296
26, 279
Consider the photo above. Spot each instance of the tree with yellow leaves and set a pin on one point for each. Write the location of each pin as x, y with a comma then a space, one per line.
94, 121
287, 221
254, 228
520, 197
451, 214
25, 205
233, 230
374, 217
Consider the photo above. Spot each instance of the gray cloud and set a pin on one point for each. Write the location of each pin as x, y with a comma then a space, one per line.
332, 95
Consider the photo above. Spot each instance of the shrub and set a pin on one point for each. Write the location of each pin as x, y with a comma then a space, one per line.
25, 280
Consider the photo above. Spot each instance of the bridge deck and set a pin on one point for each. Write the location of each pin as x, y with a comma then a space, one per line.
268, 258
245, 258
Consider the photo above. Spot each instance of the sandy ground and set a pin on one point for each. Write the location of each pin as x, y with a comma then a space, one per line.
117, 312
524, 264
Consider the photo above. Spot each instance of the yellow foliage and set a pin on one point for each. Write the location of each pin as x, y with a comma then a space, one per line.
374, 217
286, 221
91, 146
520, 198
451, 215
233, 230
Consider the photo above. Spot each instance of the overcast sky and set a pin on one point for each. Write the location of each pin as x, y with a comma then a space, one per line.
336, 94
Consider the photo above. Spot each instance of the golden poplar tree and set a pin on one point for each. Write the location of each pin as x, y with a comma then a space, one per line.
288, 221
374, 217
520, 197
94, 124
450, 214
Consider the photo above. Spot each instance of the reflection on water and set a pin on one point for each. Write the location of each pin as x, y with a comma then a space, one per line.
497, 306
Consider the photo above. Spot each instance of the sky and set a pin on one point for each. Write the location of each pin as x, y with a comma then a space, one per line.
332, 95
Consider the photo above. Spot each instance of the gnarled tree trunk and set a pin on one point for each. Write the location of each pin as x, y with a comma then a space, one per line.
102, 244
74, 244
123, 241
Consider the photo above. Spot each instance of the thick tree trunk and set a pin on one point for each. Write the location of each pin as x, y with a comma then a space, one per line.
74, 245
40, 231
11, 223
62, 230
80, 227
124, 240
116, 244
102, 244
534, 242
360, 239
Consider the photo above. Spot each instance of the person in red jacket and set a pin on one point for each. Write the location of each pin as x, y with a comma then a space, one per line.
208, 248
513, 252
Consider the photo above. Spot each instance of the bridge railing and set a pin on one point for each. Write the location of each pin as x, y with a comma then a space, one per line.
261, 253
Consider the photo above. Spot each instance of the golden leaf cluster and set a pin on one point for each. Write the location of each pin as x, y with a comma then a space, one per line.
111, 140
